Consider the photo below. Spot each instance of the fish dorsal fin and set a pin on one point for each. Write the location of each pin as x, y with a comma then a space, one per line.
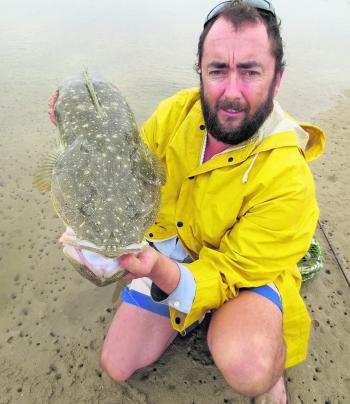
93, 95
42, 178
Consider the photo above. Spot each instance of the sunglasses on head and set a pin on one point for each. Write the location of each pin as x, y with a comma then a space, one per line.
261, 5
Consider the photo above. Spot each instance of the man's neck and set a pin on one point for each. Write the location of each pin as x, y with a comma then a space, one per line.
213, 147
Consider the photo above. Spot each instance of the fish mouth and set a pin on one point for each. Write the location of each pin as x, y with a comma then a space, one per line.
110, 250
113, 251
90, 275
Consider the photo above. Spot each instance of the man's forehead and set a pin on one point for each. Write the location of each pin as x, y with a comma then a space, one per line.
251, 38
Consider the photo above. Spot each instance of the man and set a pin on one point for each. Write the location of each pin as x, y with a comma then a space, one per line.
238, 212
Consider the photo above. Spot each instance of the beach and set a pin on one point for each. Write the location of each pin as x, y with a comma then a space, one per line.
52, 321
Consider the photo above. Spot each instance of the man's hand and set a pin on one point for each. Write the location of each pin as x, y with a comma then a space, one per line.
163, 271
51, 107
142, 264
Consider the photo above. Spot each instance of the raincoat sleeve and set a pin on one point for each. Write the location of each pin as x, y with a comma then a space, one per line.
182, 297
269, 238
158, 130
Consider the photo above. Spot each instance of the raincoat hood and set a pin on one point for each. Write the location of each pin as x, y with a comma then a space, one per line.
311, 138
276, 131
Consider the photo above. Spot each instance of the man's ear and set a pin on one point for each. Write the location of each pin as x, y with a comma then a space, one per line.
278, 79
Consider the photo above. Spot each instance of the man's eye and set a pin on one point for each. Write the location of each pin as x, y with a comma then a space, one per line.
251, 73
216, 72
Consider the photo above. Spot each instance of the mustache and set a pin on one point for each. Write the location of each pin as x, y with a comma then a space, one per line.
235, 105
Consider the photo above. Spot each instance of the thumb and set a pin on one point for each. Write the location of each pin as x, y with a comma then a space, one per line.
130, 262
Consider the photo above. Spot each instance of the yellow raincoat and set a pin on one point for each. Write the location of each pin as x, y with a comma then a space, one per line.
246, 216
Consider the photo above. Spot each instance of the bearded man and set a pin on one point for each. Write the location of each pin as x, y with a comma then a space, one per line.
238, 212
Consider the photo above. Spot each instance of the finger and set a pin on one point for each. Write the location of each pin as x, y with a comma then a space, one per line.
148, 254
51, 107
53, 99
129, 262
135, 266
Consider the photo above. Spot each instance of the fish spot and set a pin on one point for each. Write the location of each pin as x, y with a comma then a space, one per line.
81, 107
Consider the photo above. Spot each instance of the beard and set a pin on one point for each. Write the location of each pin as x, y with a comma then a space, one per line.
249, 125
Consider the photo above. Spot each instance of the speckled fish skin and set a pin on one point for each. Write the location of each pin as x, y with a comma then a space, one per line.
106, 184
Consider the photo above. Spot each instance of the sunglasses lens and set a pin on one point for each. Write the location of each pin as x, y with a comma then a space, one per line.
261, 5
216, 11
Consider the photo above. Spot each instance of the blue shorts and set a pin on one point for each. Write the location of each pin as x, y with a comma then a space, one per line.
138, 293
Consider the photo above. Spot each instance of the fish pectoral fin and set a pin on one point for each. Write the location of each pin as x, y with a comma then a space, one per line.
159, 169
43, 176
119, 286
156, 174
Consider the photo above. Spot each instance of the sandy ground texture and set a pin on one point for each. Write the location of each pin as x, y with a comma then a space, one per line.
53, 322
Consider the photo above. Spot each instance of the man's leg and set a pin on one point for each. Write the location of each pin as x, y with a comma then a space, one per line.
135, 339
246, 341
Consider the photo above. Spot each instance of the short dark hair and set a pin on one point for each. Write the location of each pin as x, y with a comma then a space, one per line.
238, 13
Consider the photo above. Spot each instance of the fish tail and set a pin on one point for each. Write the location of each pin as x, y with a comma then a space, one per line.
92, 92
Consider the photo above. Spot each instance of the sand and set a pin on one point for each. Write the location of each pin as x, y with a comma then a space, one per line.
53, 322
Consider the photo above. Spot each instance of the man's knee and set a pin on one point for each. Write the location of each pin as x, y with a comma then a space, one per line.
248, 369
115, 369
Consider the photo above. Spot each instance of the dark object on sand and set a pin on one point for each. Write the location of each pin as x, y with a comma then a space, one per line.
311, 263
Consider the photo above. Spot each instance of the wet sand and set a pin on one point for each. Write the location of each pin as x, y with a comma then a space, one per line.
53, 322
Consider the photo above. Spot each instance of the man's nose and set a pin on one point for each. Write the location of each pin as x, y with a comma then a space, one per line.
232, 87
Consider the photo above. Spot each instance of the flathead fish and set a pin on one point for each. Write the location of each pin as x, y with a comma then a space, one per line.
104, 182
